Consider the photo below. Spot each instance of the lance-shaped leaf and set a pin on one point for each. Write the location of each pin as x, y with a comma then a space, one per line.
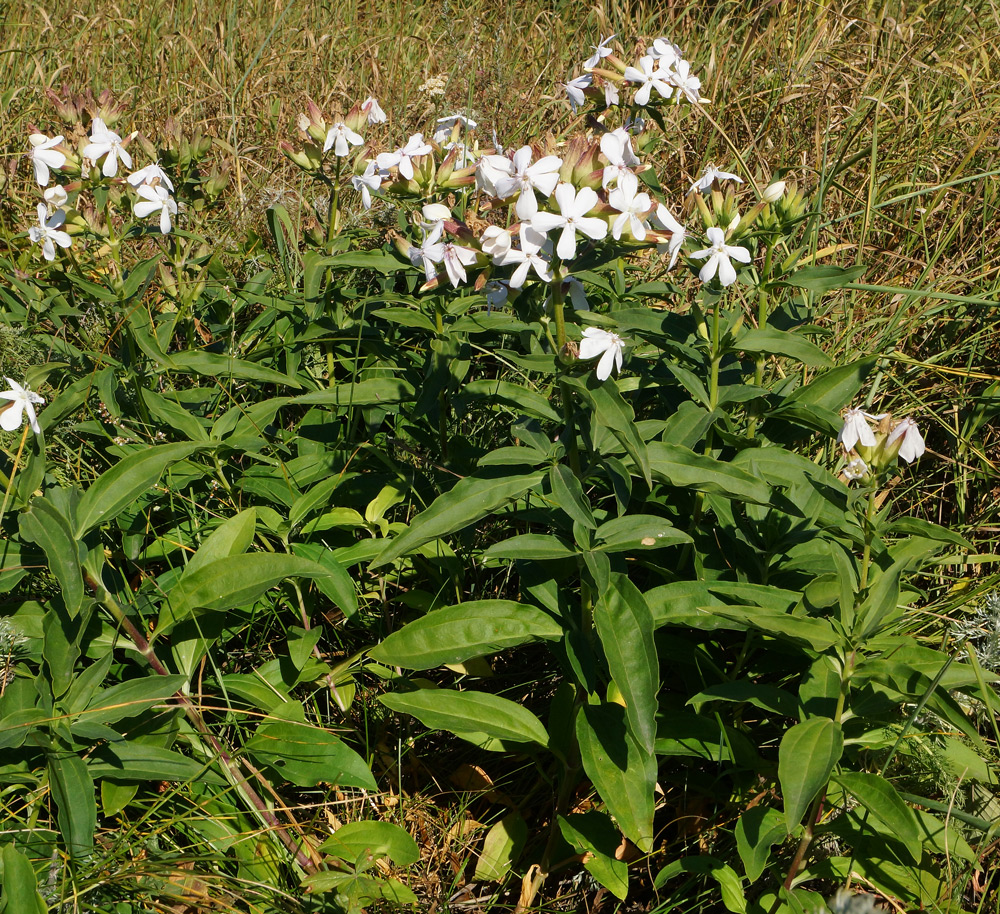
456, 633
73, 790
623, 773
625, 627
892, 816
469, 712
120, 486
471, 499
806, 757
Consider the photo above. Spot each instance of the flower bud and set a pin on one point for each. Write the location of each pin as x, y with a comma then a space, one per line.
773, 192
308, 159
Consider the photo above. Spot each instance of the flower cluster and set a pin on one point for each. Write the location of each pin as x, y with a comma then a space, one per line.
152, 186
549, 210
874, 442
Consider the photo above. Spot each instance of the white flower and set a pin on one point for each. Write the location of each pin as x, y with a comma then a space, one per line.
55, 196
600, 52
575, 89
490, 169
572, 218
44, 156
106, 142
666, 52
430, 252
664, 218
447, 124
632, 206
156, 198
151, 174
341, 138
525, 178
367, 182
47, 231
856, 469
718, 258
709, 176
687, 85
435, 212
577, 294
856, 429
610, 94
403, 157
495, 242
456, 259
371, 107
604, 343
22, 400
617, 149
912, 446
535, 253
651, 75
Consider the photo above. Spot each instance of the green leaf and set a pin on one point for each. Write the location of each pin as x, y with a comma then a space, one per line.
453, 634
880, 798
833, 389
372, 838
805, 631
733, 896
16, 726
307, 755
232, 537
501, 848
73, 790
213, 365
594, 833
44, 525
536, 547
569, 495
338, 586
469, 712
822, 278
127, 699
682, 467
613, 412
806, 757
119, 487
133, 761
623, 773
514, 396
236, 580
637, 532
782, 342
20, 888
470, 500
373, 392
625, 627
757, 831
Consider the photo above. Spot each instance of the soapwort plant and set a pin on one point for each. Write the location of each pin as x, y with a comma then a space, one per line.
554, 410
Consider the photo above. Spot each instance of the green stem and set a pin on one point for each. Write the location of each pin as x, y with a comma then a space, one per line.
557, 309
13, 471
866, 556
333, 212
763, 310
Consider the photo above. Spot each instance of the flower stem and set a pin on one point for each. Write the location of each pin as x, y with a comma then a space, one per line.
333, 212
763, 309
866, 556
13, 471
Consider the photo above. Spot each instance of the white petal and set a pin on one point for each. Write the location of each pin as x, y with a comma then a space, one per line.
727, 273
12, 416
